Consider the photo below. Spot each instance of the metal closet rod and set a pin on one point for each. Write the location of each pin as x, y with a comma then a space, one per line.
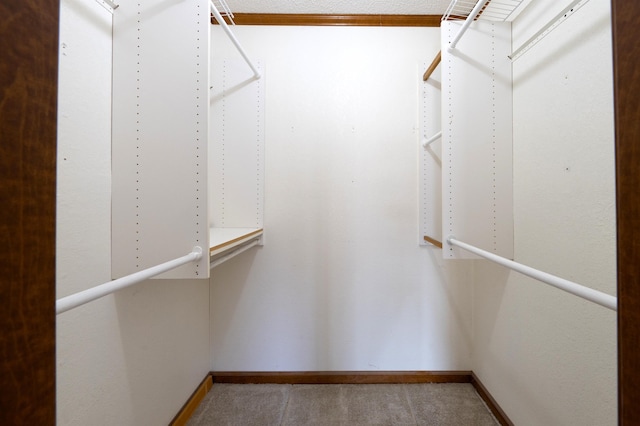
86, 296
432, 139
576, 289
233, 38
465, 26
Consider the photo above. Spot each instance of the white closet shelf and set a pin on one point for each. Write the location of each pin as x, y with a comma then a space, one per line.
493, 10
224, 240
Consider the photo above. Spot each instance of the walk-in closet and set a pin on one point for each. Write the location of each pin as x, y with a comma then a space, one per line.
347, 193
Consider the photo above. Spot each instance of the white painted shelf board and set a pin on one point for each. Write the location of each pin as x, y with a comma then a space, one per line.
223, 240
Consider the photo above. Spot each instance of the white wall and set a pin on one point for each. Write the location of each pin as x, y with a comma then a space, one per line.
135, 357
341, 283
546, 356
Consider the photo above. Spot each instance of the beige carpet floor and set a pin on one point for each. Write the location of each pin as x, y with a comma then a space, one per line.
333, 405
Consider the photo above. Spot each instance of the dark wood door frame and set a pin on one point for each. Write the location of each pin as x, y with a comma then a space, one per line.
28, 116
626, 63
28, 119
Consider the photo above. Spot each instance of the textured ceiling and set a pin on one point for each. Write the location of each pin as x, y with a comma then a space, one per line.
341, 7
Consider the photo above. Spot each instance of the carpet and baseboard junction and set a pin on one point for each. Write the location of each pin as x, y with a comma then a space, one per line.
341, 398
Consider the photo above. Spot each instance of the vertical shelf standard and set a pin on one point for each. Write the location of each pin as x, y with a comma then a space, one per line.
477, 181
159, 137
237, 156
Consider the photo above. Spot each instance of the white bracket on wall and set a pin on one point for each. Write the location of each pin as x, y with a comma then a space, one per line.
430, 163
550, 26
109, 5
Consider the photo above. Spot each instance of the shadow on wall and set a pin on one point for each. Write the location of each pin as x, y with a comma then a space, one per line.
456, 280
492, 302
164, 333
228, 283
490, 293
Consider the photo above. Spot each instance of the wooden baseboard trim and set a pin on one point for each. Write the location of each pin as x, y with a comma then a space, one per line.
192, 403
342, 377
338, 377
500, 415
335, 20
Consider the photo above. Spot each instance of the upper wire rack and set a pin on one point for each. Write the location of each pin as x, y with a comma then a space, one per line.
224, 10
494, 10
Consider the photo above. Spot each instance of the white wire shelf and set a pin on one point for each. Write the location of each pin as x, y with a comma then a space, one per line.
224, 10
493, 10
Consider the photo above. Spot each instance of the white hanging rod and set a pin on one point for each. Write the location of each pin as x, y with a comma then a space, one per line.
587, 293
234, 253
233, 39
86, 296
432, 139
467, 22
550, 26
